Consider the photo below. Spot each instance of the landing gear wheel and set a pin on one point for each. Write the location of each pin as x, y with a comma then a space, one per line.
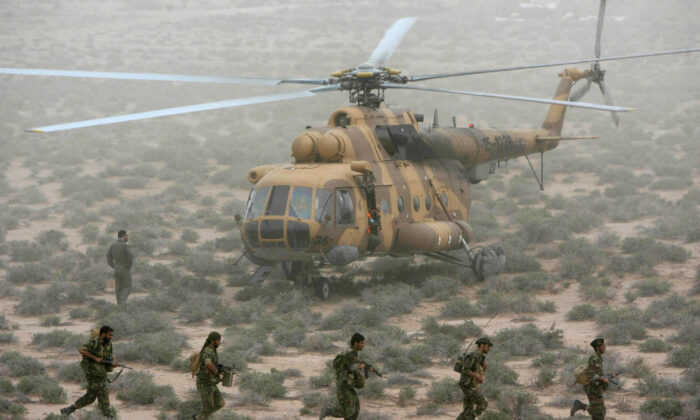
322, 288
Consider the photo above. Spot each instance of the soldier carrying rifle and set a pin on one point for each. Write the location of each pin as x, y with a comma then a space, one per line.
596, 383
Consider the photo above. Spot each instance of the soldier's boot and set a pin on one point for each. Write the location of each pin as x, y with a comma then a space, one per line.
578, 405
324, 412
66, 411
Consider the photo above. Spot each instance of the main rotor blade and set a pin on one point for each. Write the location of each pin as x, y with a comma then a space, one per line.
608, 100
185, 109
392, 39
599, 30
581, 92
514, 98
534, 66
158, 77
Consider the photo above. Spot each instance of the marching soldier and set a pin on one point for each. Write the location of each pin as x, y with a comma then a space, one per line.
597, 383
348, 373
97, 361
120, 259
472, 369
209, 376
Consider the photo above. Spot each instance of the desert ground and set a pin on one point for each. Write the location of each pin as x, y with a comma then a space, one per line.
609, 248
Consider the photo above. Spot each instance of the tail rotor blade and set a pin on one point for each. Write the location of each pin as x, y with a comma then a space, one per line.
576, 96
599, 31
609, 102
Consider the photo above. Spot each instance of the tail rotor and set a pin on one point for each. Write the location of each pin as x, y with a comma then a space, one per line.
596, 74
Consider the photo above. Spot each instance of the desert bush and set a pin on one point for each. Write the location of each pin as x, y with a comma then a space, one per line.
459, 332
199, 307
351, 317
244, 312
129, 323
653, 386
77, 217
458, 308
518, 403
319, 342
6, 386
654, 345
71, 372
651, 252
88, 189
688, 333
89, 233
189, 236
527, 340
59, 338
672, 310
80, 312
229, 243
289, 333
373, 388
533, 281
663, 408
263, 386
652, 287
491, 301
50, 299
18, 365
685, 356
161, 347
25, 251
392, 299
51, 321
545, 359
518, 261
6, 338
204, 263
581, 312
29, 273
608, 240
545, 376
138, 388
444, 392
440, 287
11, 408
406, 394
53, 239
132, 183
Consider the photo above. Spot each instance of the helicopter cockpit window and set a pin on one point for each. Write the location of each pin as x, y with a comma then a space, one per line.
278, 200
256, 202
416, 203
323, 205
399, 204
344, 208
300, 206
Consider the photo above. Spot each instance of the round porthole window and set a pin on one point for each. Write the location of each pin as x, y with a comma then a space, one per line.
443, 198
416, 203
399, 204
428, 202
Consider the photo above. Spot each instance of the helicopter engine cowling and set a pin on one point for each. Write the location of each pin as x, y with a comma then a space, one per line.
333, 145
304, 146
431, 236
255, 174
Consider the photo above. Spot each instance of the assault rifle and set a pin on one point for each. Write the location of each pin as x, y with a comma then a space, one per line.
610, 379
374, 369
109, 362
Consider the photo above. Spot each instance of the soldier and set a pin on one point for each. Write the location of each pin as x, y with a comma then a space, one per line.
375, 226
209, 376
120, 259
597, 383
97, 361
472, 369
348, 374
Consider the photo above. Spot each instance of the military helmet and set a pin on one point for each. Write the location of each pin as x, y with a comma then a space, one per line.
484, 340
597, 342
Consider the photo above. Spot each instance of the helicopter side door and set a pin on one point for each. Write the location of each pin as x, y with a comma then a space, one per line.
383, 199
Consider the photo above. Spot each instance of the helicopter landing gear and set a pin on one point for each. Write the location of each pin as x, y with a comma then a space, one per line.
305, 273
488, 261
322, 288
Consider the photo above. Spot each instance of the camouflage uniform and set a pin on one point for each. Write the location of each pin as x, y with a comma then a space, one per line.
348, 378
206, 384
595, 388
96, 375
474, 403
120, 258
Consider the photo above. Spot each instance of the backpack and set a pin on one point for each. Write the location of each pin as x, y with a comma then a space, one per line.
338, 364
194, 363
581, 375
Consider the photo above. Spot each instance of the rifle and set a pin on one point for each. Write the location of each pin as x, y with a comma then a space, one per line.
374, 369
109, 362
610, 379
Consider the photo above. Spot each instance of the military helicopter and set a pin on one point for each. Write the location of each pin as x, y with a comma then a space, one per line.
371, 181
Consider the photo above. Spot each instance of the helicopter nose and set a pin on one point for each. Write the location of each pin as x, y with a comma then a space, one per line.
277, 235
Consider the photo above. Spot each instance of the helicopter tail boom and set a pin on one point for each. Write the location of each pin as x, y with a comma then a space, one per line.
554, 120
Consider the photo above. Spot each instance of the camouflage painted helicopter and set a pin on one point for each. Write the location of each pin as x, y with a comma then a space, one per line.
370, 180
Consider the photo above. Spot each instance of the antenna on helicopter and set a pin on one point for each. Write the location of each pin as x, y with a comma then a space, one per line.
454, 122
435, 119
